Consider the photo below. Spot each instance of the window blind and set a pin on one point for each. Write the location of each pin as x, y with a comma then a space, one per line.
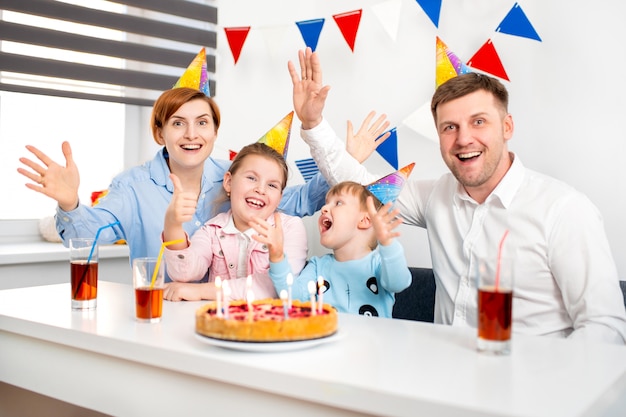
159, 39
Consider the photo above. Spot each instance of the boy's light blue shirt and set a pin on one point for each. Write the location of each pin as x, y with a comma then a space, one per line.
365, 286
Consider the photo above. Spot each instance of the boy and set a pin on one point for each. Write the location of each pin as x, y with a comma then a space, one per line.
367, 266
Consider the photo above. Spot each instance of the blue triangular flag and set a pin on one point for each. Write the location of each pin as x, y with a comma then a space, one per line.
310, 30
432, 8
389, 148
516, 23
307, 167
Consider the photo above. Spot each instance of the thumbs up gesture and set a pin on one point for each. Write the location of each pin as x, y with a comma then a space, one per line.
180, 210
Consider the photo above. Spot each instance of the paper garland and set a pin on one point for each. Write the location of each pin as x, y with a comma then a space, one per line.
308, 168
348, 24
310, 31
236, 38
448, 65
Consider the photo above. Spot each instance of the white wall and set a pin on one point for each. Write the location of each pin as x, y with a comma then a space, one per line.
567, 92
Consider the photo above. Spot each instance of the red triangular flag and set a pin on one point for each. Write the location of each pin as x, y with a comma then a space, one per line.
487, 59
349, 25
232, 154
236, 38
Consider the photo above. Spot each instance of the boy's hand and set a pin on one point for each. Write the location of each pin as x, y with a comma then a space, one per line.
385, 221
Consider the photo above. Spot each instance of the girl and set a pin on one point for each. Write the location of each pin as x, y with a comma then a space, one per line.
224, 245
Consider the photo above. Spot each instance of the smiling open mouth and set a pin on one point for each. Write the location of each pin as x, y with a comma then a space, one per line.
255, 203
191, 147
469, 155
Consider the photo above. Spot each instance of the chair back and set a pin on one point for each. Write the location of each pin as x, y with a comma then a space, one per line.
417, 302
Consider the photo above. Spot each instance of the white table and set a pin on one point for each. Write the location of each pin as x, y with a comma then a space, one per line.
108, 362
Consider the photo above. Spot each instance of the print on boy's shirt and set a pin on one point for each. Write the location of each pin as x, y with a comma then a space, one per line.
367, 309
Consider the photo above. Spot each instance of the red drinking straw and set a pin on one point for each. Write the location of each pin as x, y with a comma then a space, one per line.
506, 232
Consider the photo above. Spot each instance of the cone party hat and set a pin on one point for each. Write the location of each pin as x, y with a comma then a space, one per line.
278, 136
196, 76
388, 187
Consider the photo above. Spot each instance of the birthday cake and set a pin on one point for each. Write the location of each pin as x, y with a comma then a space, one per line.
266, 322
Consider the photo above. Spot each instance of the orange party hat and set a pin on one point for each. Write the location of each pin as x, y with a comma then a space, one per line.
388, 187
278, 136
196, 76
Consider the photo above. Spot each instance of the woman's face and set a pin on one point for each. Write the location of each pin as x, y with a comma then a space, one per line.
189, 136
255, 189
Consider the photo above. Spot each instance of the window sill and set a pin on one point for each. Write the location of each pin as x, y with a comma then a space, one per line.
35, 252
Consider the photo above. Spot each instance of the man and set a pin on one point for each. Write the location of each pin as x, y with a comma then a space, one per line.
566, 279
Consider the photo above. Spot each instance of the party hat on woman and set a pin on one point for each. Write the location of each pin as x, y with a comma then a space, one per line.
196, 75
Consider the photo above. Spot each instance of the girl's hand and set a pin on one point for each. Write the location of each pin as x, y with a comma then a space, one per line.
272, 236
186, 291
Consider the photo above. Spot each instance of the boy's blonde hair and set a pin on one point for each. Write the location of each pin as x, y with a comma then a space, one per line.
359, 191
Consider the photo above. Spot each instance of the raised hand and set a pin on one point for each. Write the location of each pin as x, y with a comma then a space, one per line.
180, 210
272, 236
364, 143
53, 180
309, 95
384, 220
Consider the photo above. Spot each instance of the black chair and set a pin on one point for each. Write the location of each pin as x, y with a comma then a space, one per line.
418, 301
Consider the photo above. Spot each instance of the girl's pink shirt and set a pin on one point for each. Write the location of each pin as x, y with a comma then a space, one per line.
212, 248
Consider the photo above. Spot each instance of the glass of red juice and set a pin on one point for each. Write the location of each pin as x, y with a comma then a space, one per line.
83, 273
495, 307
148, 287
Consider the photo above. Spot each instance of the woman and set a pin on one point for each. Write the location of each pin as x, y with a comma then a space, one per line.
185, 122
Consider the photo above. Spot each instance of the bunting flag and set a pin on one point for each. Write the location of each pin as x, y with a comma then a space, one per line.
236, 37
349, 25
487, 59
389, 148
448, 65
274, 37
308, 168
310, 31
516, 23
232, 154
421, 122
432, 8
388, 14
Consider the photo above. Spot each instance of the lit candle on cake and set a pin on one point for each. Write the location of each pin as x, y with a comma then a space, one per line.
226, 293
284, 297
218, 295
311, 287
289, 284
250, 299
320, 294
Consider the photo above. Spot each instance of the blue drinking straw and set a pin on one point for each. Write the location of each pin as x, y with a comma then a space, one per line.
93, 247
95, 240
